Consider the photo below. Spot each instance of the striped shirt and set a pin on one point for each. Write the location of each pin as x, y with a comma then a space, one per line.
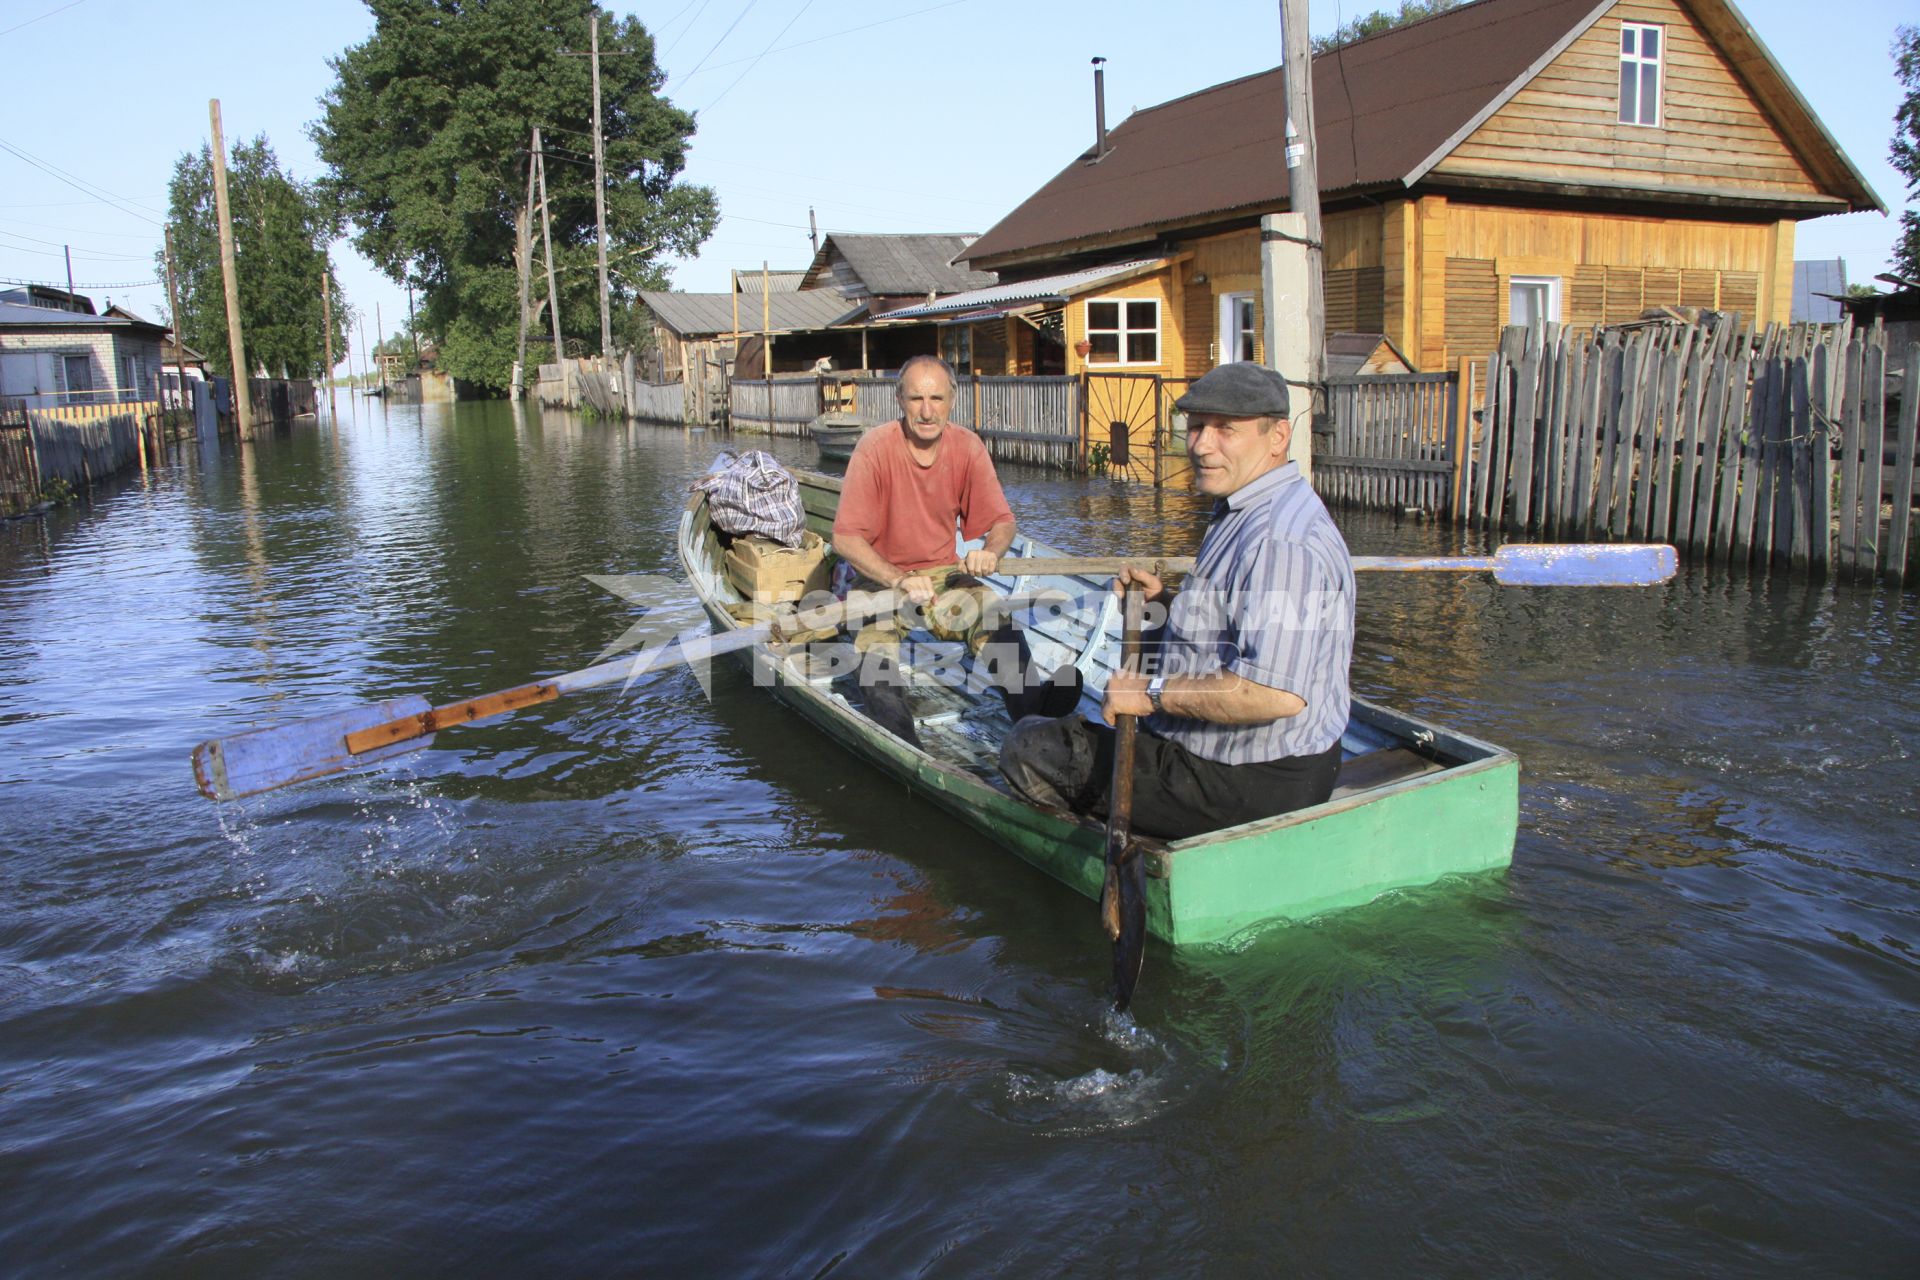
1270, 599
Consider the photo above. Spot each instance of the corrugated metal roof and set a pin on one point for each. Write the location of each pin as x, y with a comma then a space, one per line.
1813, 278
695, 314
901, 265
776, 281
1047, 287
17, 315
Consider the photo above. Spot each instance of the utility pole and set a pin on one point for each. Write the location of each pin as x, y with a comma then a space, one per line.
366, 376
523, 258
173, 311
229, 274
600, 199
326, 326
546, 236
1303, 198
413, 328
68, 250
380, 327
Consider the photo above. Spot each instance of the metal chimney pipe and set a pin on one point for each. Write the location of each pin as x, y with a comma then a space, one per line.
1099, 109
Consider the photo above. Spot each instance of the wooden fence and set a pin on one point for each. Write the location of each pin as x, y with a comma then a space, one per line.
1034, 420
1393, 442
1770, 449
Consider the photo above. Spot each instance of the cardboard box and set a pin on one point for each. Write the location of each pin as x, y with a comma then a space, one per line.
765, 570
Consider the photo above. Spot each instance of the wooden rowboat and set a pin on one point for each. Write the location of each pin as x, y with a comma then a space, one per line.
1415, 802
836, 434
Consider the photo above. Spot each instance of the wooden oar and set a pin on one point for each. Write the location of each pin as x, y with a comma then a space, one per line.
263, 759
1123, 895
1519, 564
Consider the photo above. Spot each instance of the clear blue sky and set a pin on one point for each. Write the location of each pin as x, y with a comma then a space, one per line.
912, 115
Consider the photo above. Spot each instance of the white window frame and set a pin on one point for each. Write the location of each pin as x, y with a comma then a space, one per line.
1121, 344
1227, 346
1552, 288
1635, 62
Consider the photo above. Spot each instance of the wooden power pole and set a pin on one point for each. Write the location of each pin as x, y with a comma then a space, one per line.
523, 259
173, 310
600, 199
546, 237
1303, 198
236, 349
380, 327
326, 324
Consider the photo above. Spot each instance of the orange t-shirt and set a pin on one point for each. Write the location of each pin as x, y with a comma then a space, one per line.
908, 511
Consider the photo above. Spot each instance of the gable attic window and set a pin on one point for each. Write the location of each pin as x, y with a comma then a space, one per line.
1123, 330
1640, 55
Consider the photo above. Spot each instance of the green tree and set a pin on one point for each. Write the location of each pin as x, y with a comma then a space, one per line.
1905, 152
1380, 20
280, 237
426, 131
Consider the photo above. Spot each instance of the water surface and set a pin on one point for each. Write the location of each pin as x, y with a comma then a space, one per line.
669, 984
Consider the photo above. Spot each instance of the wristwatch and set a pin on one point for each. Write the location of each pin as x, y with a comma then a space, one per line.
1154, 686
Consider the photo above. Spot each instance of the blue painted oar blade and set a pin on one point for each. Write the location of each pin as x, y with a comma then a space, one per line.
228, 768
1584, 564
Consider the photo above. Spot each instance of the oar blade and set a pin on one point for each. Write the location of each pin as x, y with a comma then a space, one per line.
1586, 564
228, 768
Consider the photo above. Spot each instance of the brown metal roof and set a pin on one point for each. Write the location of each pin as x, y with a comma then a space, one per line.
1381, 107
1386, 109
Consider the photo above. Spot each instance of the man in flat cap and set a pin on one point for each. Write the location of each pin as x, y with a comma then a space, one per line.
1246, 694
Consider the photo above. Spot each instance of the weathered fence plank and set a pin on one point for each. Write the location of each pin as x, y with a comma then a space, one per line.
1903, 462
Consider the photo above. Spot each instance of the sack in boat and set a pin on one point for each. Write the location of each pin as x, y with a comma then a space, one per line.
765, 570
754, 494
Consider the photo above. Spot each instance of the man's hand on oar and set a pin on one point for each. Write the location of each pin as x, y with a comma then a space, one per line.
1123, 895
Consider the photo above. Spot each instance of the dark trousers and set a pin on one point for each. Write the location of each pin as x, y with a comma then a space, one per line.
1069, 763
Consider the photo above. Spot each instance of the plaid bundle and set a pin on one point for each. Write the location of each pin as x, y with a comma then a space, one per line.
752, 493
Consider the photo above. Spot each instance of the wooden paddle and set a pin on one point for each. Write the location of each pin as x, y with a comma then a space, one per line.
1123, 895
1575, 564
278, 756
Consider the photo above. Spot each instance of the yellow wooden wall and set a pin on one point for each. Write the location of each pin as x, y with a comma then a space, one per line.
1564, 126
1169, 287
1449, 265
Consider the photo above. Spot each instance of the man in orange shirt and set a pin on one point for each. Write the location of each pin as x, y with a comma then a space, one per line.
909, 484
910, 481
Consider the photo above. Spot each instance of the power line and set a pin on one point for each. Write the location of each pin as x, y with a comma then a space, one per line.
722, 40
834, 35
79, 184
48, 14
756, 61
62, 285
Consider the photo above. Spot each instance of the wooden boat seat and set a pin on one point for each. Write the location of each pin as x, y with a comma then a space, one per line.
1377, 768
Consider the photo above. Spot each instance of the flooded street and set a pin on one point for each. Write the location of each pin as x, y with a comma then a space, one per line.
670, 984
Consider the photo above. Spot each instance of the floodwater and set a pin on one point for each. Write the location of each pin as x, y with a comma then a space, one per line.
667, 984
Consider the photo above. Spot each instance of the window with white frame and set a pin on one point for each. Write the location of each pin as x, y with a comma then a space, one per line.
1531, 298
1640, 56
1123, 331
1236, 328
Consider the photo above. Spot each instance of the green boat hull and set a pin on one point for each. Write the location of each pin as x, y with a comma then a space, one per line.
1460, 816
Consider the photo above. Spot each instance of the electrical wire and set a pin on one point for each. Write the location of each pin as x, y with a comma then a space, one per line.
79, 184
756, 60
48, 14
717, 43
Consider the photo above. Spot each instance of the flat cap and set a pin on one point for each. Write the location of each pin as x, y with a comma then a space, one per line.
1239, 390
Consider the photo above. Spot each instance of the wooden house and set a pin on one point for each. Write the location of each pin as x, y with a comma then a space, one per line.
1579, 160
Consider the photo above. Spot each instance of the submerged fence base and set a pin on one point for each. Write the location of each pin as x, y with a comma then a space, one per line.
1772, 449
